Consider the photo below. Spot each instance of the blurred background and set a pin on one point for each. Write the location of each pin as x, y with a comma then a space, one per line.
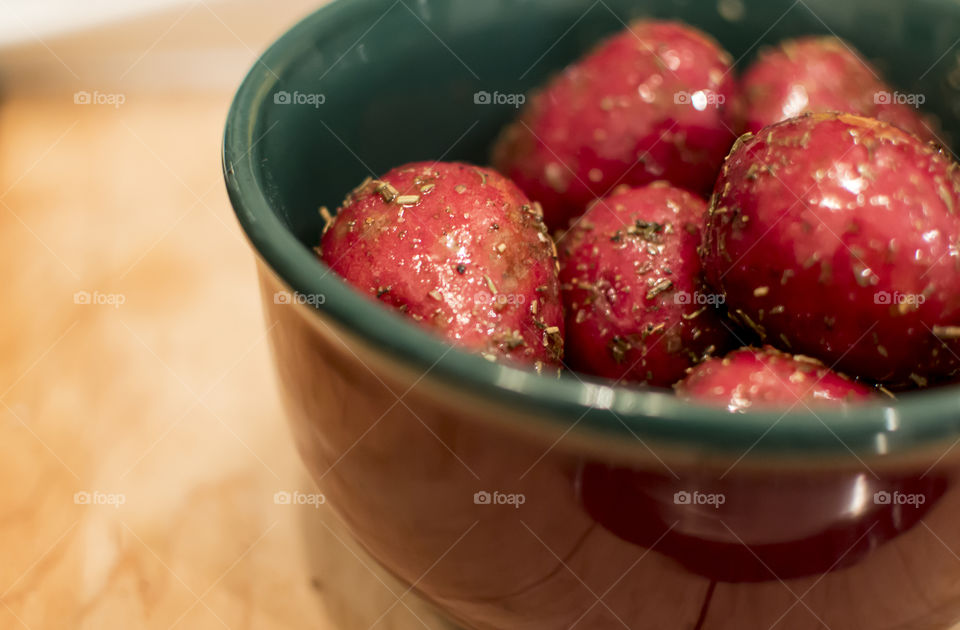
147, 479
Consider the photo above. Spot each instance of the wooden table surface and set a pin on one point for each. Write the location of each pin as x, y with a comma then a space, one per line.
141, 440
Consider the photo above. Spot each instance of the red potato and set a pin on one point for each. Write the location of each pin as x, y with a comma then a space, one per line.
459, 249
636, 308
836, 236
766, 377
647, 104
823, 74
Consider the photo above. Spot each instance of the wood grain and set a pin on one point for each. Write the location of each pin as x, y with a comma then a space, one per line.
161, 399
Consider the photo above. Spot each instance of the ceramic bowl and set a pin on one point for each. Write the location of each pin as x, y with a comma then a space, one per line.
512, 500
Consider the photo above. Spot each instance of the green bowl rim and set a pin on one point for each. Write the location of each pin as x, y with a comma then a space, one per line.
916, 420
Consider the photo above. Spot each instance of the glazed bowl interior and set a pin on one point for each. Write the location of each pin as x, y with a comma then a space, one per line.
362, 86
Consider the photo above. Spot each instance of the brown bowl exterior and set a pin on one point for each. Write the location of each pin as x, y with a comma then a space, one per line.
503, 527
